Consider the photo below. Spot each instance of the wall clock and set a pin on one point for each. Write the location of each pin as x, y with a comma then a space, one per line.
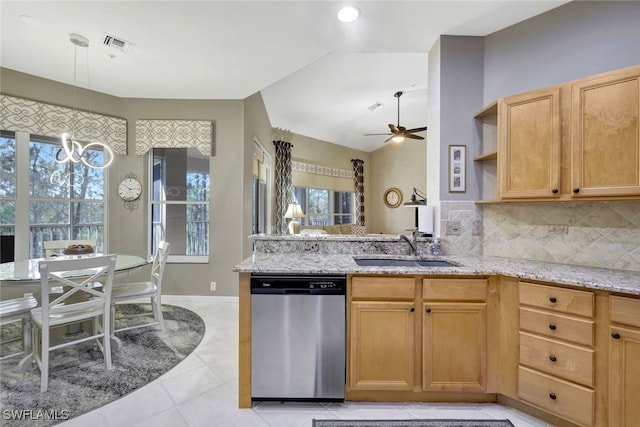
393, 197
130, 190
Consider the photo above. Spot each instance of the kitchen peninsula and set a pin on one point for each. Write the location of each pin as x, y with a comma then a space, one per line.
561, 342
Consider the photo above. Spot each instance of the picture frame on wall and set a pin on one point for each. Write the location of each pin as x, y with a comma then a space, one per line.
457, 168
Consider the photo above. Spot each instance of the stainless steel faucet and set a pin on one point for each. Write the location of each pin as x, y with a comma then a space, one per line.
412, 246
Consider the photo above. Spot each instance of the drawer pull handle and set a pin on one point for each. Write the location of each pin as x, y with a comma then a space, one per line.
615, 336
552, 396
553, 300
576, 190
553, 358
552, 327
554, 191
412, 309
428, 310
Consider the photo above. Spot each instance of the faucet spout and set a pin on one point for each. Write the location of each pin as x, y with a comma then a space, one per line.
412, 247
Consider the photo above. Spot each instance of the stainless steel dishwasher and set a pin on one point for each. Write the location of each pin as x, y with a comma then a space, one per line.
298, 337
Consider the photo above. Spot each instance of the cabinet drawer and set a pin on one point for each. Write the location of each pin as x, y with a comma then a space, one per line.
553, 298
567, 400
556, 358
625, 311
454, 289
397, 288
557, 326
570, 401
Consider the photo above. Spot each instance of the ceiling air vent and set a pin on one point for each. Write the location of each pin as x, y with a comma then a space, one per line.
117, 43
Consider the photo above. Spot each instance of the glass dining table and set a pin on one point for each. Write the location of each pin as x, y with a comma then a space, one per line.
19, 277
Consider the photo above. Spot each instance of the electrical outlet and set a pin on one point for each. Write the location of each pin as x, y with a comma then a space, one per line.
476, 227
558, 230
453, 228
213, 286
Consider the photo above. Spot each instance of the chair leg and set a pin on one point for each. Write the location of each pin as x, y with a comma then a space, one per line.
26, 335
106, 339
44, 360
156, 303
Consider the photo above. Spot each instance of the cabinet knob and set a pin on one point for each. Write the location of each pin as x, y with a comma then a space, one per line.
615, 336
553, 358
552, 327
554, 191
553, 300
576, 190
428, 310
552, 396
412, 309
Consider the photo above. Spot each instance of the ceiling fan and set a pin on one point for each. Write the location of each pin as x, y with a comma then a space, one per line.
399, 133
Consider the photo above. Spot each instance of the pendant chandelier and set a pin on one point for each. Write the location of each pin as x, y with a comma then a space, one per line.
72, 150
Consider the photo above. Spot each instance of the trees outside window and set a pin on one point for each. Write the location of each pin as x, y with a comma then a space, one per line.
325, 207
64, 200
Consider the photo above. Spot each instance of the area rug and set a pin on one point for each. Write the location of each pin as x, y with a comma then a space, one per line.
78, 381
412, 423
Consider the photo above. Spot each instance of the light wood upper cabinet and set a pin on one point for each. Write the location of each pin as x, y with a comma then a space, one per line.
605, 134
624, 362
529, 145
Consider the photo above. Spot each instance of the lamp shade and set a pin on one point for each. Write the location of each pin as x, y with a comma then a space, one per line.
294, 210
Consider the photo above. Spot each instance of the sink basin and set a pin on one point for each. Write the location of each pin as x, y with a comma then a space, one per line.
382, 262
434, 263
396, 262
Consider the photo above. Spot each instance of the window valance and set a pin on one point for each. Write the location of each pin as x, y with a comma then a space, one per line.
196, 134
38, 118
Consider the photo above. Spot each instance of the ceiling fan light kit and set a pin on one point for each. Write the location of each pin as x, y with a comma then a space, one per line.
400, 133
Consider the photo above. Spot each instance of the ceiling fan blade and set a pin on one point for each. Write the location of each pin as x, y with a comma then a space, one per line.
416, 129
394, 128
412, 136
376, 134
388, 139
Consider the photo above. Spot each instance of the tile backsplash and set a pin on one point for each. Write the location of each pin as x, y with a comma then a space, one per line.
596, 234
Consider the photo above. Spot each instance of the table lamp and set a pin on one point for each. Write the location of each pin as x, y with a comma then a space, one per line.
294, 211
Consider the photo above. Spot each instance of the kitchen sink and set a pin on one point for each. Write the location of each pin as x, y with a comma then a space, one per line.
398, 262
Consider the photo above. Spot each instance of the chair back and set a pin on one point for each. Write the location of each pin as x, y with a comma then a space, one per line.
159, 261
87, 296
54, 248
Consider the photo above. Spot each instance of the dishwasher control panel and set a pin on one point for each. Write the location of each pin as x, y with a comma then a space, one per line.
336, 285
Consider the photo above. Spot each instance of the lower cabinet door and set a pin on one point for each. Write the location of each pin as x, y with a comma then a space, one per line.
624, 377
454, 337
565, 399
382, 345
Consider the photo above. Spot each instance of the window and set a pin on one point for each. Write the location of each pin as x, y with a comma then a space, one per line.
58, 201
180, 203
325, 207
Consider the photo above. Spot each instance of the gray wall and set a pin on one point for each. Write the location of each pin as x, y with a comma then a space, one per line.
576, 40
461, 82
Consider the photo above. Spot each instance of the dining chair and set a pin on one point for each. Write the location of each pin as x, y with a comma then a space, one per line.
126, 292
54, 248
80, 302
16, 309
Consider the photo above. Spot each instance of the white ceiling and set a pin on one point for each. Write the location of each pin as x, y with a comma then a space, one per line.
318, 76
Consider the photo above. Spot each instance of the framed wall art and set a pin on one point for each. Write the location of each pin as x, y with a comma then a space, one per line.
457, 168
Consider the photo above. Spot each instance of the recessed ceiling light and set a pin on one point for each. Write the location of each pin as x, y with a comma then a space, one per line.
348, 14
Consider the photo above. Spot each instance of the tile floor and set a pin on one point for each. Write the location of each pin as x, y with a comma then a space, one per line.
202, 390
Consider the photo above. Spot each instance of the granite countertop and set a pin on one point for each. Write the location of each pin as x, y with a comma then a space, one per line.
622, 281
